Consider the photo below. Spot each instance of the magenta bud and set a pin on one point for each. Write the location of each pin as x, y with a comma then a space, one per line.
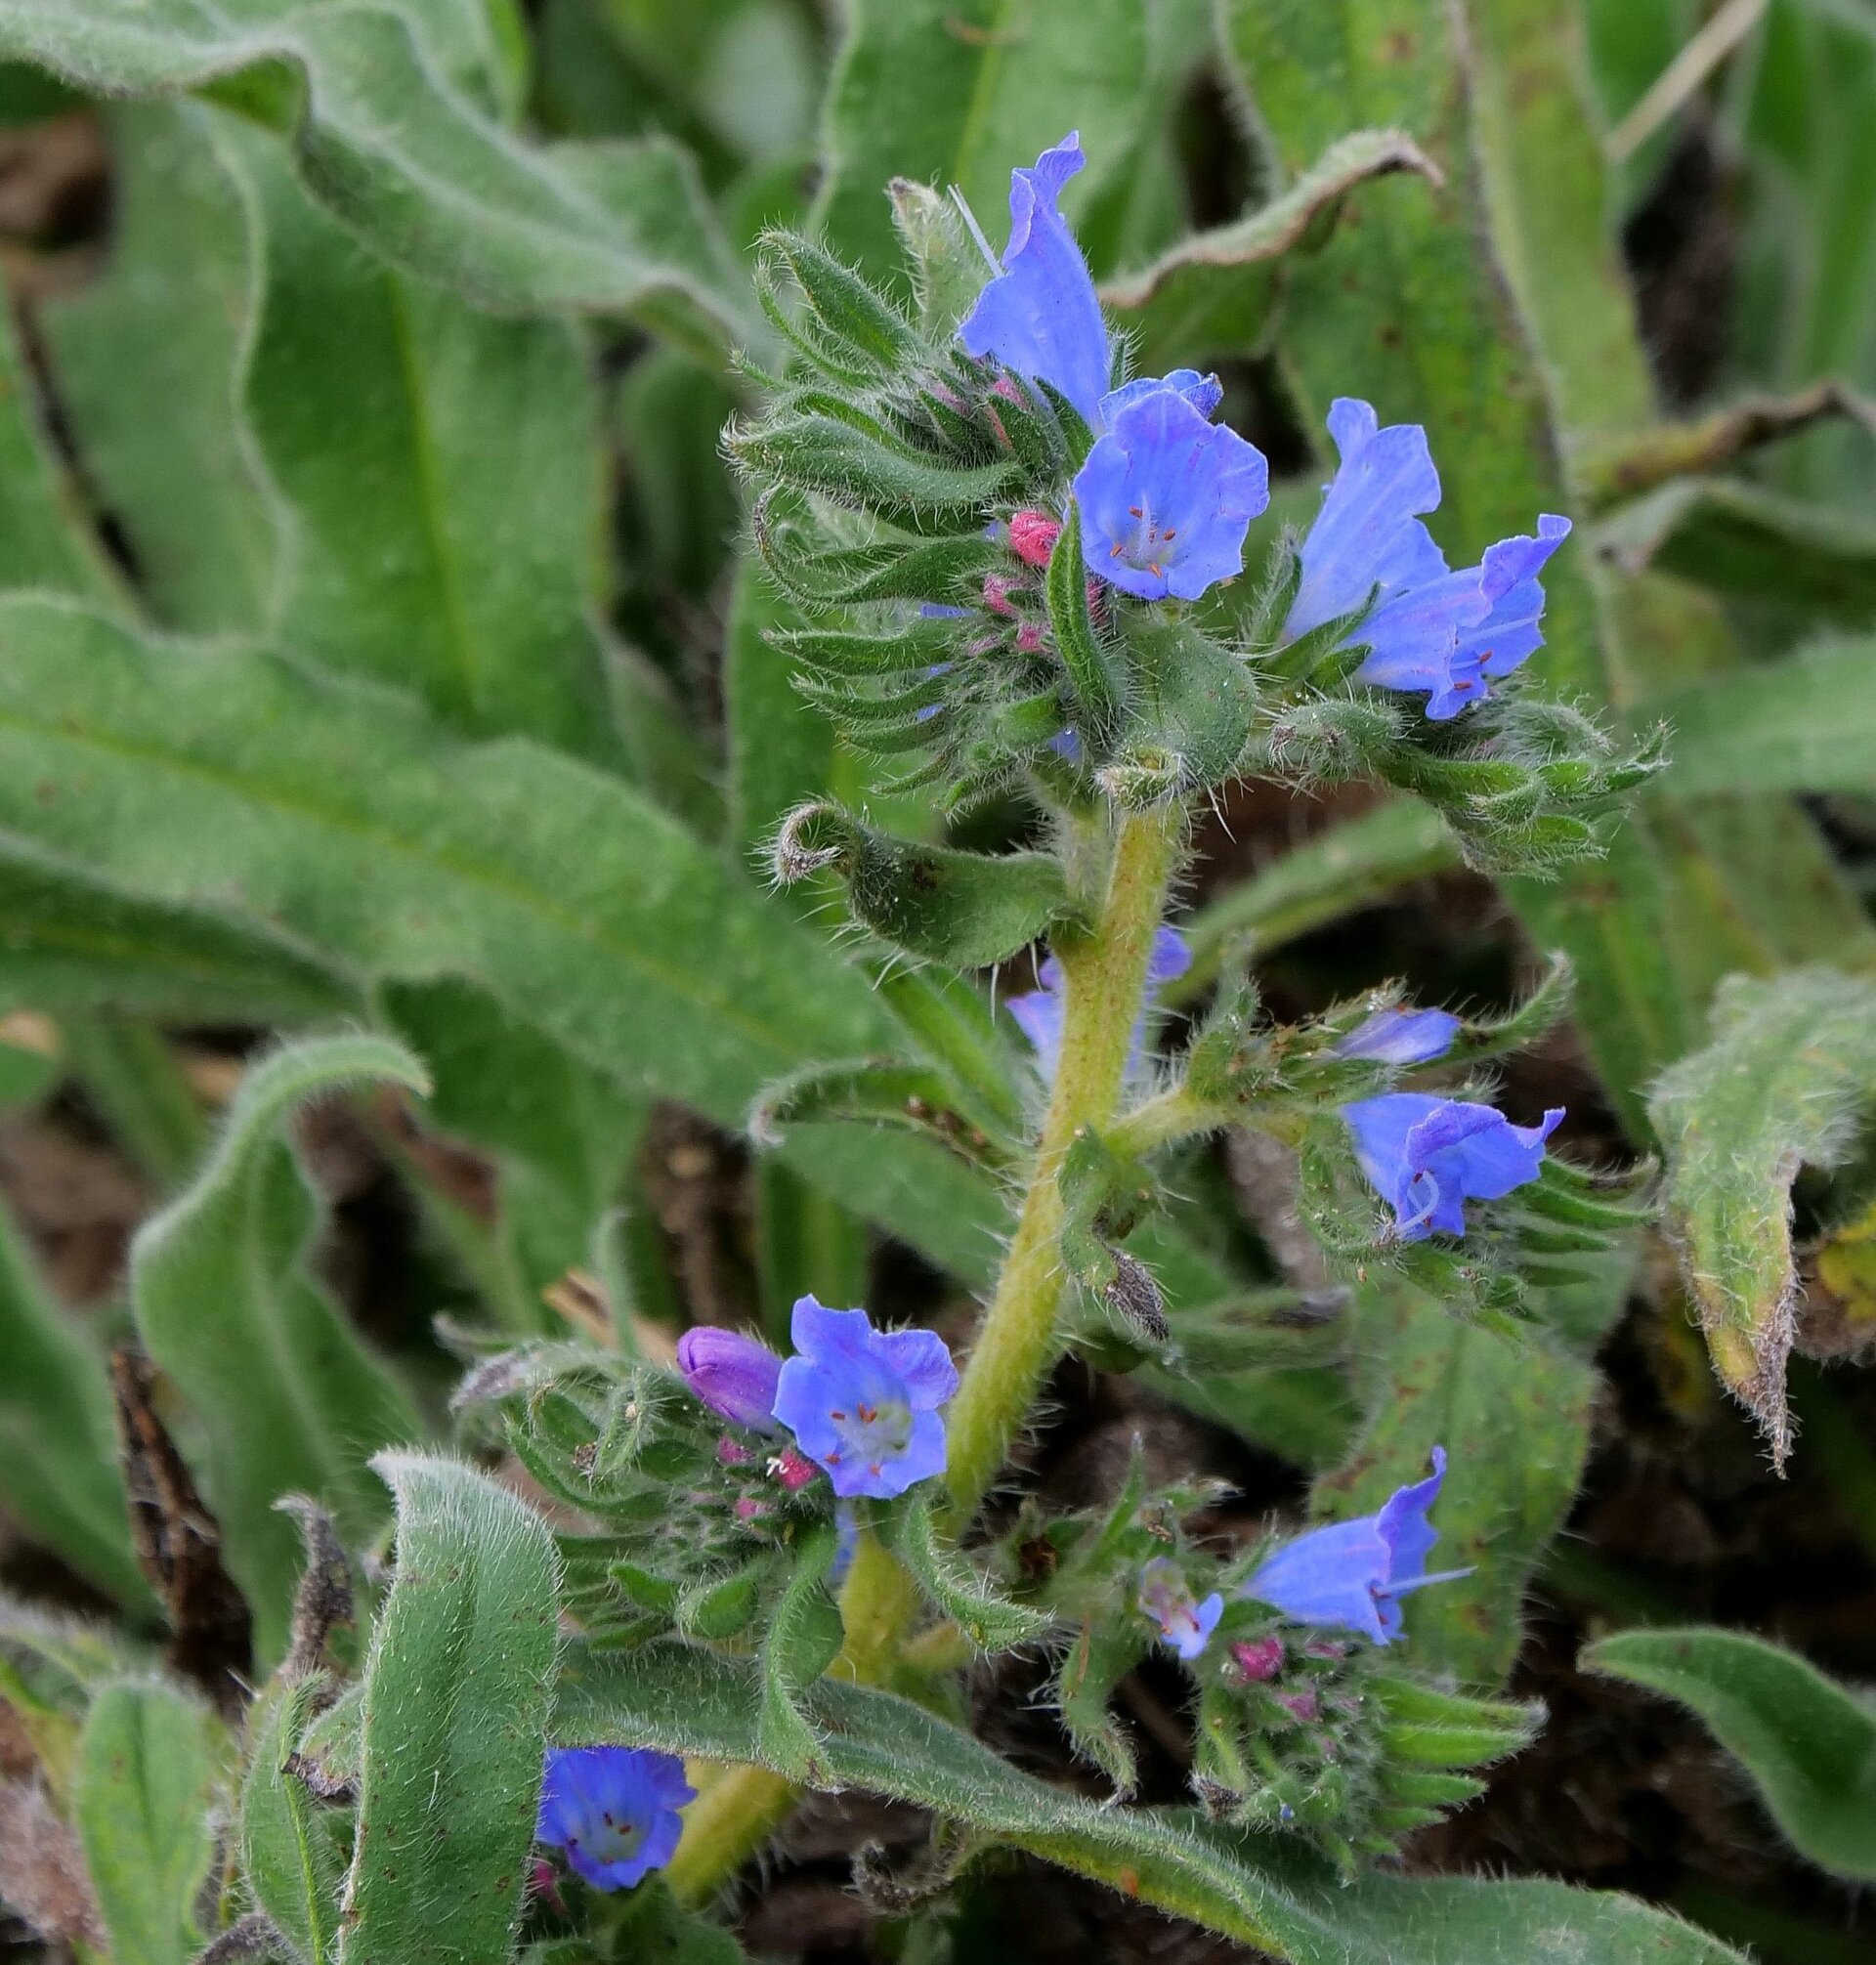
792, 1470
1303, 1705
1029, 638
997, 595
749, 1508
1259, 1658
1032, 535
730, 1454
732, 1375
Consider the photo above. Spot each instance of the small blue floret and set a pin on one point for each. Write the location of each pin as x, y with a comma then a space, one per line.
1166, 496
1352, 1574
1401, 1037
864, 1404
614, 1810
1446, 634
1041, 316
1039, 1012
1426, 1156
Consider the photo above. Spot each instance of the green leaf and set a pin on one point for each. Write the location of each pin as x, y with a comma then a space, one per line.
286, 1396
456, 1696
293, 1855
1211, 294
1791, 1063
1802, 724
1513, 1416
1090, 667
955, 1585
57, 1442
1808, 1742
781, 749
144, 1783
342, 816
412, 167
1749, 544
70, 943
1346, 867
170, 321
1267, 1890
961, 91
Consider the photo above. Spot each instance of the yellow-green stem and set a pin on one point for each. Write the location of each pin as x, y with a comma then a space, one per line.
1105, 979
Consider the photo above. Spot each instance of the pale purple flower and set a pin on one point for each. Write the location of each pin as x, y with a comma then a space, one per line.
1185, 1623
1041, 316
864, 1404
1166, 497
1431, 630
614, 1810
1426, 1156
1352, 1574
1400, 1037
734, 1375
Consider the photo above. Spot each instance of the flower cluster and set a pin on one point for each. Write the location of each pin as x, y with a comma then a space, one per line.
863, 1405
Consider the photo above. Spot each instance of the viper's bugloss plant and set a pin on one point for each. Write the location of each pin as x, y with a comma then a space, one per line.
884, 813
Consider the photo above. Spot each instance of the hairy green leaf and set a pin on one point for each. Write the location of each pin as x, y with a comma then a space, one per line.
412, 167
1808, 1742
1791, 1064
1267, 1890
287, 1399
57, 1447
291, 1851
456, 1697
146, 1779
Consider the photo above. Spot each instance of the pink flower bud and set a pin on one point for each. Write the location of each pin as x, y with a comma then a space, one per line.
1032, 535
996, 588
1304, 1706
729, 1454
1259, 1658
792, 1470
1029, 638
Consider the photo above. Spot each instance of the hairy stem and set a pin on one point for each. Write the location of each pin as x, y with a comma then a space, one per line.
1106, 980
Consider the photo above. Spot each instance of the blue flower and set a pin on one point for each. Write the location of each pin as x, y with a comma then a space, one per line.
1166, 1597
1352, 1573
732, 1375
1400, 1037
614, 1810
864, 1404
1039, 1012
1426, 1156
1166, 496
1041, 316
1429, 630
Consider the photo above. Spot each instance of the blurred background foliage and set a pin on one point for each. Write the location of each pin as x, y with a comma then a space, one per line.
409, 436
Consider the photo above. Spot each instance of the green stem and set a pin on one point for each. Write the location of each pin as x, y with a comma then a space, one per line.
1105, 973
1105, 979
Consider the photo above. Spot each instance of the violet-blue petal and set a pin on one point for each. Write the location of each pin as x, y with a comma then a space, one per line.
731, 1373
1352, 1574
1400, 1037
1166, 497
1041, 316
863, 1403
1426, 1156
1169, 958
1204, 391
614, 1810
1368, 534
1039, 1017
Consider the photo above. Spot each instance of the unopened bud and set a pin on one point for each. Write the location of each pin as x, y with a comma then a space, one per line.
792, 1470
732, 1375
1259, 1658
1032, 535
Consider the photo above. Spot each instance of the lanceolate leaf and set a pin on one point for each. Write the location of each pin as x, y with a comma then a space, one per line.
287, 1399
456, 1696
1808, 1742
291, 1851
415, 170
58, 1451
142, 1792
1791, 1064
344, 816
962, 90
1263, 1891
